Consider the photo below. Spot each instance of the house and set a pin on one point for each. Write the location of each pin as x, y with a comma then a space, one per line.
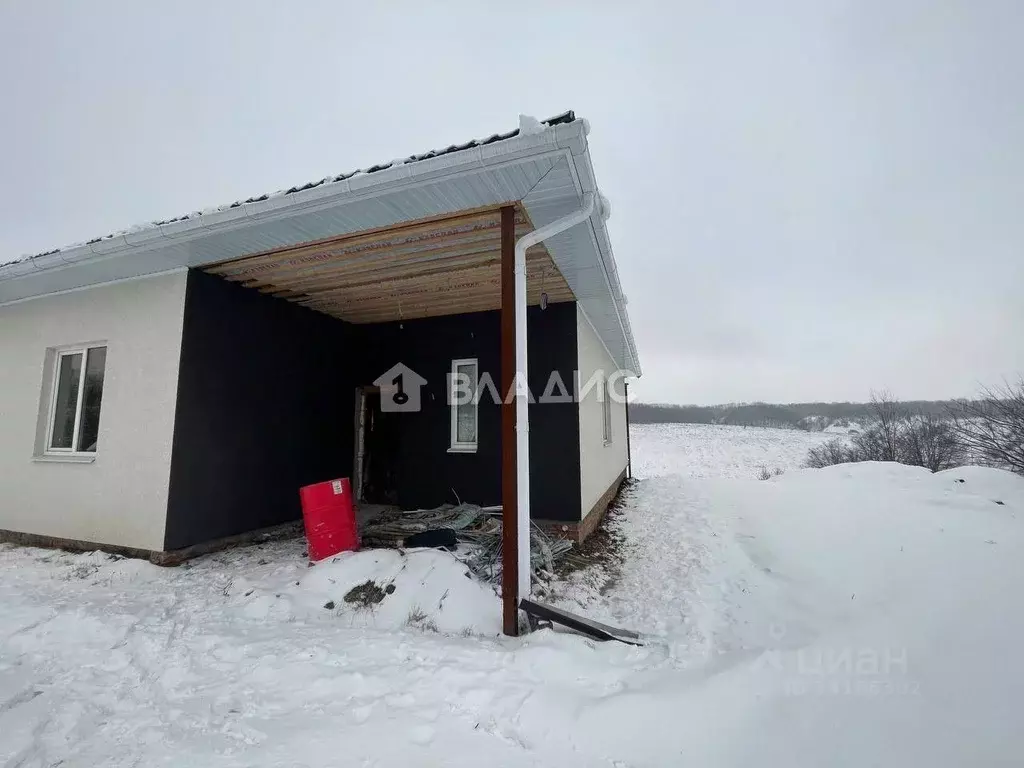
174, 384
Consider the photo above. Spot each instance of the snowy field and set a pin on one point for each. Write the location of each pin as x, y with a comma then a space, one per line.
852, 616
709, 450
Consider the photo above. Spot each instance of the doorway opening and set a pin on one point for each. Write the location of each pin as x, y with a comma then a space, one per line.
377, 446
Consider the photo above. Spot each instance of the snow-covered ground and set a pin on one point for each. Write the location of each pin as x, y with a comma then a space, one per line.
856, 615
712, 450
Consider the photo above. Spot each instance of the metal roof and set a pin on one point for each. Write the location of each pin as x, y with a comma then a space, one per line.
545, 165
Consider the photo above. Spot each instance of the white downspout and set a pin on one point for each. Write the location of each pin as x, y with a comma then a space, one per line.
521, 386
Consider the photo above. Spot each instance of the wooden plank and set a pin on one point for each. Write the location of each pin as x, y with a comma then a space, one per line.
394, 306
397, 253
395, 283
344, 274
332, 281
538, 264
363, 236
352, 246
509, 493
430, 308
467, 284
288, 263
444, 265
438, 275
344, 268
408, 310
396, 260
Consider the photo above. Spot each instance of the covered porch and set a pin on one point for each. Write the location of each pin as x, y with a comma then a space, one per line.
424, 297
484, 255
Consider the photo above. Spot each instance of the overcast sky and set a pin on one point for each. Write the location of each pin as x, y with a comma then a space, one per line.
811, 199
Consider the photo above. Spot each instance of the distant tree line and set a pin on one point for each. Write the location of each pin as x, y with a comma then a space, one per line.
812, 417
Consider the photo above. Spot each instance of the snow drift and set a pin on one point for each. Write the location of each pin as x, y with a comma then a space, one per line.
856, 615
382, 589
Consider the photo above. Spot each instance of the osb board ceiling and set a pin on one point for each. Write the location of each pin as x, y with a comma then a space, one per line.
439, 267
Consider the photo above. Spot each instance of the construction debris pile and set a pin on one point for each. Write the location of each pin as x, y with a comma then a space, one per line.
476, 529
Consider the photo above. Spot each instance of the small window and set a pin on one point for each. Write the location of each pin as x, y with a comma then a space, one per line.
462, 397
606, 410
75, 407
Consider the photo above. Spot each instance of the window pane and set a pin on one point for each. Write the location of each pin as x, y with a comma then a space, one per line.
89, 431
466, 423
465, 415
69, 371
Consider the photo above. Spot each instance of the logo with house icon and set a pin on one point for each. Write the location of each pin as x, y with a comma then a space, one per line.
399, 389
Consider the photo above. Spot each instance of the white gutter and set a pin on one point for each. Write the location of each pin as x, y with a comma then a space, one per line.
521, 386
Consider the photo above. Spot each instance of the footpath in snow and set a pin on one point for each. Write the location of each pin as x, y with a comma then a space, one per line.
859, 615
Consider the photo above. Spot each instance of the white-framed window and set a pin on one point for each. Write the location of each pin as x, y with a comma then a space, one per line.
606, 410
463, 384
73, 422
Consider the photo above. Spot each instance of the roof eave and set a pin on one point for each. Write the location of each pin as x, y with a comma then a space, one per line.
588, 181
565, 140
281, 205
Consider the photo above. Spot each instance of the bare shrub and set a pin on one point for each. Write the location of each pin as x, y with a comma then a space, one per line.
835, 451
880, 441
895, 434
991, 429
928, 441
419, 619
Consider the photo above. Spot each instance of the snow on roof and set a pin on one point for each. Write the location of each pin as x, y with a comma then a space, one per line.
527, 125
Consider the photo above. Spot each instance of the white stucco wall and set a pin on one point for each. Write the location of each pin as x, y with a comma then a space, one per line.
600, 463
120, 498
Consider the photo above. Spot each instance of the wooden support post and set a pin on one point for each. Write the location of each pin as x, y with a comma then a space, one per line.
509, 496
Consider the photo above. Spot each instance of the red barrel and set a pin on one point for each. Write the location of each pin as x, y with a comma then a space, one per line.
329, 518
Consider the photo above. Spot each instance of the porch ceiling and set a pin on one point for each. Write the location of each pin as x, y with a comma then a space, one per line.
440, 266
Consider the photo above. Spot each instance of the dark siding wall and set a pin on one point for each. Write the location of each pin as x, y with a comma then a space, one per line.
265, 405
554, 427
427, 474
